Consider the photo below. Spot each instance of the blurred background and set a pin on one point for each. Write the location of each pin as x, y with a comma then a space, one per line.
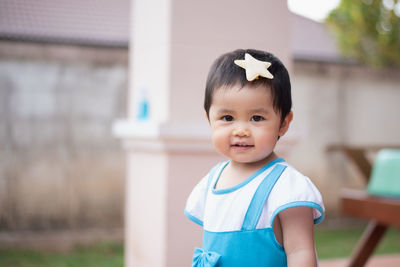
64, 80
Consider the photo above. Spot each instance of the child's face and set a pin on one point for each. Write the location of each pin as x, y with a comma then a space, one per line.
245, 127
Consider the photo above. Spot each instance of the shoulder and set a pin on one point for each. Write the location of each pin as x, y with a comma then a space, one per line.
293, 189
296, 185
195, 203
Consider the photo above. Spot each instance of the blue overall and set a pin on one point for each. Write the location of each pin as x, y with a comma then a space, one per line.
249, 247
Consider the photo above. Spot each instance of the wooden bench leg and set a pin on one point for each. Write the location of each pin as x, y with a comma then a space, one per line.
369, 240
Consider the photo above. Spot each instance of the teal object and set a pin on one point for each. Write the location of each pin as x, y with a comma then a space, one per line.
385, 176
143, 113
143, 106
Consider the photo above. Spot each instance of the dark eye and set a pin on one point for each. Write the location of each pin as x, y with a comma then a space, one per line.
257, 118
227, 118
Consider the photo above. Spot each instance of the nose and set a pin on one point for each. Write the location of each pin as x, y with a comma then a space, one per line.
241, 131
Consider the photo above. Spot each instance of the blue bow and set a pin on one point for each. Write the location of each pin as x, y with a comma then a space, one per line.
202, 258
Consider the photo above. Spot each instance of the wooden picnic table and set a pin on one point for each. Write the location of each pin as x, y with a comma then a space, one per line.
380, 211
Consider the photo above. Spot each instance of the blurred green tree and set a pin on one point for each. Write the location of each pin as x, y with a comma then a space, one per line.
368, 31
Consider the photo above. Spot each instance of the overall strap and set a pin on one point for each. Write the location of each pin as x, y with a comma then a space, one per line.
260, 196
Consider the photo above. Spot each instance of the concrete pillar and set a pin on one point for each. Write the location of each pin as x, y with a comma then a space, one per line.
166, 136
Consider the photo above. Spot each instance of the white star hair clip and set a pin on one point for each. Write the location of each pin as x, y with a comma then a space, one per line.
254, 67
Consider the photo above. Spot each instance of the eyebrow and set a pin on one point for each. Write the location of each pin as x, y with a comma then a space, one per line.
259, 110
224, 110
256, 110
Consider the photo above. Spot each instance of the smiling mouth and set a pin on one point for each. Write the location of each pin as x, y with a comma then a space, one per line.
243, 146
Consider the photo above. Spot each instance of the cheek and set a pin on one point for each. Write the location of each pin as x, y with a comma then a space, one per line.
219, 138
268, 137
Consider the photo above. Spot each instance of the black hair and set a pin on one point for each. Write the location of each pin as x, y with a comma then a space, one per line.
225, 73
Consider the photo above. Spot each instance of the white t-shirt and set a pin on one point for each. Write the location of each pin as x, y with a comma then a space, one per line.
224, 210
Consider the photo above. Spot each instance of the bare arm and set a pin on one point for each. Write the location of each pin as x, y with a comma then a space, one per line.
298, 236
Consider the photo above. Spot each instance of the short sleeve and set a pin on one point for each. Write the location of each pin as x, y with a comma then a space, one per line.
194, 209
293, 189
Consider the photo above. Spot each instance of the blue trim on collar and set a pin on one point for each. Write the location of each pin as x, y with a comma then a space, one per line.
192, 218
248, 180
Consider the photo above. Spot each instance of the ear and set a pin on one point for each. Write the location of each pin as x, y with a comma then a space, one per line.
286, 123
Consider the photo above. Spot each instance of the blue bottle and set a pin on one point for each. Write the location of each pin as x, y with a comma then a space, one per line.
143, 106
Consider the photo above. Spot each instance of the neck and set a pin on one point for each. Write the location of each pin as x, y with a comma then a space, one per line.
253, 166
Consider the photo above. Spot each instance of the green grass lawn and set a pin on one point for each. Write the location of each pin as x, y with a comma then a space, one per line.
340, 243
330, 244
100, 255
